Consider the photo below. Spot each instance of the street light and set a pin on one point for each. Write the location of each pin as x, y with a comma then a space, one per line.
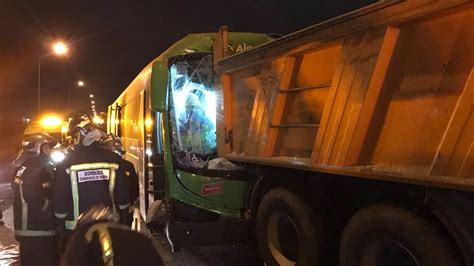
91, 96
80, 83
59, 49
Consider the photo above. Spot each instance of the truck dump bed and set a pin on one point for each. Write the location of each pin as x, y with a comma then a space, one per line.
385, 92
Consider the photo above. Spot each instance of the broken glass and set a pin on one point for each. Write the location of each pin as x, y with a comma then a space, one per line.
192, 109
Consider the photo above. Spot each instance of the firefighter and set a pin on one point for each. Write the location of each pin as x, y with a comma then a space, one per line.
32, 202
197, 132
99, 240
90, 175
113, 143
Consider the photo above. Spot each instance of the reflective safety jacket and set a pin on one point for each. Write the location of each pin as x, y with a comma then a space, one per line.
87, 177
109, 244
32, 198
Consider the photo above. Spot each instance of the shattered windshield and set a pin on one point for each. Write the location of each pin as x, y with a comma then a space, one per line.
193, 109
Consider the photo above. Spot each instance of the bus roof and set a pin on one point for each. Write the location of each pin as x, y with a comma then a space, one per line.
202, 43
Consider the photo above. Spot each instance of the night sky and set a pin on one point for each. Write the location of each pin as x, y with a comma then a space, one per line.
111, 41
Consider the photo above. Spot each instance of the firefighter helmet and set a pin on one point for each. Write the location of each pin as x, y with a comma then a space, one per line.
81, 123
113, 143
83, 131
31, 146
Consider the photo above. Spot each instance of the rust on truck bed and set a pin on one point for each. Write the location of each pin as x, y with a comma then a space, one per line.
385, 92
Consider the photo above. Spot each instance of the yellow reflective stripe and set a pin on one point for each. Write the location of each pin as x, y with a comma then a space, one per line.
111, 189
20, 171
75, 190
90, 166
105, 241
60, 215
70, 225
124, 206
45, 205
24, 208
35, 233
75, 194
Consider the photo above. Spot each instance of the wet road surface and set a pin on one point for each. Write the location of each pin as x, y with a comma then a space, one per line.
228, 255
8, 245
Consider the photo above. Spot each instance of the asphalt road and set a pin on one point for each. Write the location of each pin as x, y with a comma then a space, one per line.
223, 255
227, 255
8, 245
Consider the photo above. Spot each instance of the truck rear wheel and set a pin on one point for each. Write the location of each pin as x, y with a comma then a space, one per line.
384, 235
288, 231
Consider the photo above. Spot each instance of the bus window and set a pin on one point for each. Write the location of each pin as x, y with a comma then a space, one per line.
192, 109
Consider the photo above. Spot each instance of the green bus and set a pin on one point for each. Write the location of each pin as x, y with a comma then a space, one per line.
166, 119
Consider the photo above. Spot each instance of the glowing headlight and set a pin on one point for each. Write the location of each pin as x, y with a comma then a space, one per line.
97, 120
57, 156
51, 121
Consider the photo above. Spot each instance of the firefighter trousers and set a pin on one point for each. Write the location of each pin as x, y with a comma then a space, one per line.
39, 251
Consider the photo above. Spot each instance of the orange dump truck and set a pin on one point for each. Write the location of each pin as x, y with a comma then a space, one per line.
359, 131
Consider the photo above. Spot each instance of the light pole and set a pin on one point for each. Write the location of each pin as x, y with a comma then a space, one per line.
59, 49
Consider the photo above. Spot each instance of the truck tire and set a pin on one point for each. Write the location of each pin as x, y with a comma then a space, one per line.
288, 231
386, 235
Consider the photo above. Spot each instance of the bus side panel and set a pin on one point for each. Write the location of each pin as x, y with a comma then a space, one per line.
132, 137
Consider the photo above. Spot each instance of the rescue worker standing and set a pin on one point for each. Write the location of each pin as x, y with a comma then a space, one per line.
113, 143
32, 202
99, 240
197, 131
89, 176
